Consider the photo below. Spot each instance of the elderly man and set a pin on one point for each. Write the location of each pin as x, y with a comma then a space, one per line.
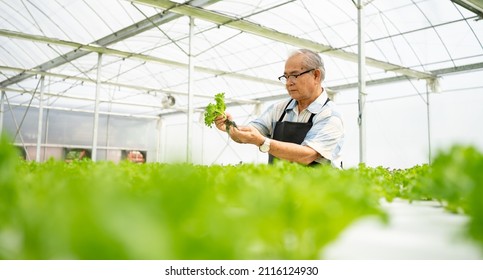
307, 128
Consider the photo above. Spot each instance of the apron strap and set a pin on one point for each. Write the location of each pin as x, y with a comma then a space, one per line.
311, 116
284, 111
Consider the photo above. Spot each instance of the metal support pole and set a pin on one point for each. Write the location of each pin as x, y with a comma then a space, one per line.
18, 133
190, 94
361, 80
46, 128
159, 126
429, 123
2, 102
40, 118
96, 109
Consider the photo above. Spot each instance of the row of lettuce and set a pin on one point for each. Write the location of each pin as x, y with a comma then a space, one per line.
87, 210
454, 178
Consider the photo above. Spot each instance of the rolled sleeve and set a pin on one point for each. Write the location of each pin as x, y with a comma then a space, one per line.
265, 123
326, 137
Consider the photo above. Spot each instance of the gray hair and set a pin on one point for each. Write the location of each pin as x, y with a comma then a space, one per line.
312, 60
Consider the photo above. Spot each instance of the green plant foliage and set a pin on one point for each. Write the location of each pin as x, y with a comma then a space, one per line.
102, 210
381, 180
456, 179
212, 111
8, 176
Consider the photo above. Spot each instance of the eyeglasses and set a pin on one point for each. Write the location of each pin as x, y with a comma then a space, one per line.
285, 78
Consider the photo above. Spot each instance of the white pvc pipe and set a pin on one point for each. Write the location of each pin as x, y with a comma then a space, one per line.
361, 59
96, 109
429, 123
159, 125
190, 94
40, 119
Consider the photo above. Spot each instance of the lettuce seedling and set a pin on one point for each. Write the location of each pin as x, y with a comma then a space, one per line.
212, 111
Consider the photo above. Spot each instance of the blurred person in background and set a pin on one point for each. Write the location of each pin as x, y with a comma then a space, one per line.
307, 128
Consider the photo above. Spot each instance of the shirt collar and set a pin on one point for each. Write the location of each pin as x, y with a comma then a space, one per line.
314, 107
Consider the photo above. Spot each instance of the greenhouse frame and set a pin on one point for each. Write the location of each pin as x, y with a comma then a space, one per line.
106, 152
111, 77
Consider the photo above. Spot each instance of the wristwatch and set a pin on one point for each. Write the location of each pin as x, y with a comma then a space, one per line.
265, 147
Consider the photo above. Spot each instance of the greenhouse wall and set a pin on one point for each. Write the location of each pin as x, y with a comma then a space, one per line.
397, 127
63, 131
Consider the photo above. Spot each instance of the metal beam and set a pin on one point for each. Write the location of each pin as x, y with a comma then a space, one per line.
475, 6
126, 103
124, 54
230, 101
120, 85
462, 68
110, 39
438, 72
135, 116
259, 30
117, 102
451, 70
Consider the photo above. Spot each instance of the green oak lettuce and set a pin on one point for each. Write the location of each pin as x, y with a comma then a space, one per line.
102, 210
214, 110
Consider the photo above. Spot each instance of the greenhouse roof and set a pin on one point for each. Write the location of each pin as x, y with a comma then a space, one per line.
238, 47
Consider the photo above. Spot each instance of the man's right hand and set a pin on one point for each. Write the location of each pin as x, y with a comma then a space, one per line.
220, 121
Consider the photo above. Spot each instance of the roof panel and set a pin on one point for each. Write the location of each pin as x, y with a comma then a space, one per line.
25, 54
424, 35
459, 40
442, 13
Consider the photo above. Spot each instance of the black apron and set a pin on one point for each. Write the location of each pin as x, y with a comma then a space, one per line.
292, 132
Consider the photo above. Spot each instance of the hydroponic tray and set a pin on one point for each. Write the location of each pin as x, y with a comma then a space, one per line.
417, 230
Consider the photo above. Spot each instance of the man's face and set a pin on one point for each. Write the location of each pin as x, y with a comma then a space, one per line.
304, 86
